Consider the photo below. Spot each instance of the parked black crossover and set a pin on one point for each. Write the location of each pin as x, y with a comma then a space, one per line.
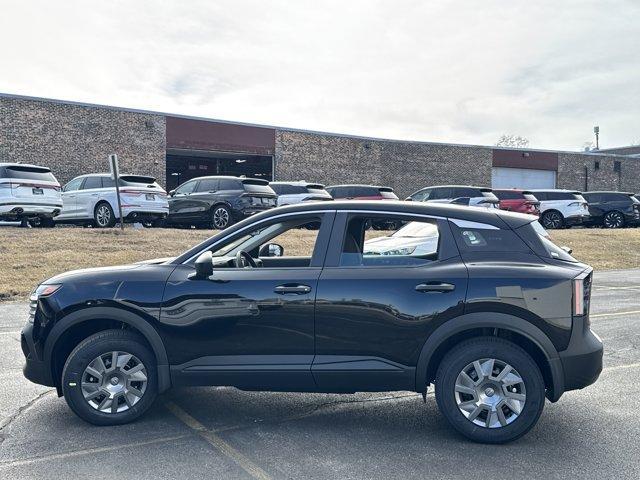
478, 302
612, 209
218, 202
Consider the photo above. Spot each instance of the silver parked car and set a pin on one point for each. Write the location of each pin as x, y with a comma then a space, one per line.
290, 193
29, 193
92, 199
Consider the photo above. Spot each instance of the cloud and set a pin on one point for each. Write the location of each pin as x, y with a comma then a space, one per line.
449, 71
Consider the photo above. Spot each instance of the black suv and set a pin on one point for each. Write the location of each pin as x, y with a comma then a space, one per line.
478, 302
218, 202
612, 209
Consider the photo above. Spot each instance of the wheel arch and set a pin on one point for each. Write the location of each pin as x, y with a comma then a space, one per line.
104, 318
516, 329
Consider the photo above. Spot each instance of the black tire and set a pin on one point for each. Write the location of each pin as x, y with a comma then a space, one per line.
221, 217
103, 216
613, 219
552, 219
46, 222
489, 348
159, 223
90, 349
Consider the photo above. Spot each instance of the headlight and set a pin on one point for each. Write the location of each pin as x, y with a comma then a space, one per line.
45, 290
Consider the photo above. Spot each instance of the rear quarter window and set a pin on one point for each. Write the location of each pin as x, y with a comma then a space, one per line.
488, 240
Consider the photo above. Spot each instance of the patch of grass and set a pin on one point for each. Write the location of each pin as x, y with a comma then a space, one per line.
29, 256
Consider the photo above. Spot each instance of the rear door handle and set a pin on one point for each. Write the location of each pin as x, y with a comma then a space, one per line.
288, 288
435, 287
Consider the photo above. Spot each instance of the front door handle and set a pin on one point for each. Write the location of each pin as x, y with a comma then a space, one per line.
288, 288
435, 287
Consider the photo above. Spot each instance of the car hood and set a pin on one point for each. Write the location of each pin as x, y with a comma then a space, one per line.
155, 261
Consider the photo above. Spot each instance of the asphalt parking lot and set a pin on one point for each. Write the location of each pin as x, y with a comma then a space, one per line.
226, 433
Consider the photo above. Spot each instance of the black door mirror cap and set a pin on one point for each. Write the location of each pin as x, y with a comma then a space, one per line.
204, 266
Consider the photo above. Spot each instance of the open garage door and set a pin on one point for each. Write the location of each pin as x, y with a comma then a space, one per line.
526, 178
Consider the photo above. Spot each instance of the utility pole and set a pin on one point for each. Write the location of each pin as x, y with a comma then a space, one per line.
596, 130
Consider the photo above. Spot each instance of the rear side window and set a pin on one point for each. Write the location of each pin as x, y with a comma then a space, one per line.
561, 196
208, 185
41, 174
617, 197
92, 182
440, 193
465, 192
229, 184
475, 239
257, 186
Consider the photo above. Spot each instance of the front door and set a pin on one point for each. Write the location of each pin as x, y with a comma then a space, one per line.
181, 206
253, 327
379, 296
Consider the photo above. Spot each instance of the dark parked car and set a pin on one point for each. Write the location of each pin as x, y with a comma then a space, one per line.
612, 209
218, 202
520, 201
458, 194
493, 314
361, 192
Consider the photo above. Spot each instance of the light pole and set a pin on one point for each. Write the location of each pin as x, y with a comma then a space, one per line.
596, 130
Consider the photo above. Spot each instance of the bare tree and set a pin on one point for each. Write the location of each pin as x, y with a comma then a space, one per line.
508, 140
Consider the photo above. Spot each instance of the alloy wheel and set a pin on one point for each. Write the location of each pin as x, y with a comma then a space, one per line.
552, 220
220, 218
114, 382
613, 220
103, 216
490, 393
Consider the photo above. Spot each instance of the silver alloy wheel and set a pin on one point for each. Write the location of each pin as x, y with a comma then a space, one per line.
114, 381
220, 218
490, 393
613, 220
552, 220
103, 215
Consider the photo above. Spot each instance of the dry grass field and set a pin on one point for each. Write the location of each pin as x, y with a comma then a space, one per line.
28, 256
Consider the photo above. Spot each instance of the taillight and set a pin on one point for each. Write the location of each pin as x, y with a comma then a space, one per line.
581, 295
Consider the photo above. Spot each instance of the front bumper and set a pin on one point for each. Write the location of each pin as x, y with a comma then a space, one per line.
582, 360
34, 368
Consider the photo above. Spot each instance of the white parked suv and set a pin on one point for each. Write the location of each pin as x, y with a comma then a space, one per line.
561, 208
91, 199
458, 194
290, 193
29, 193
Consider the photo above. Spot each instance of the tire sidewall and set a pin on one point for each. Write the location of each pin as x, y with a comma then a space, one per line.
499, 349
112, 220
546, 215
85, 353
610, 215
213, 212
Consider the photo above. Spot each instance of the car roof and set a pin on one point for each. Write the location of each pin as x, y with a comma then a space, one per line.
357, 185
607, 191
296, 182
563, 190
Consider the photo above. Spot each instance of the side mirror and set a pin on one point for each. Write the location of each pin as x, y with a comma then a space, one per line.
460, 201
567, 249
172, 193
204, 266
271, 250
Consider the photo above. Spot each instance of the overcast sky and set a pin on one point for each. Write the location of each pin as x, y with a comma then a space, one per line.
447, 71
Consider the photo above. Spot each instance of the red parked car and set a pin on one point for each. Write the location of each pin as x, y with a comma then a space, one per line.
520, 201
361, 192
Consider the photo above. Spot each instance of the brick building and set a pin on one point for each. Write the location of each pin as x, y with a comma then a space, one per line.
74, 138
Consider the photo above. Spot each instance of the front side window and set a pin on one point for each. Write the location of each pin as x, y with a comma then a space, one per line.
381, 241
208, 185
73, 185
185, 188
421, 196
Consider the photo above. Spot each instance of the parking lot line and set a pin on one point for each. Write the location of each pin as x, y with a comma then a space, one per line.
214, 440
614, 314
87, 451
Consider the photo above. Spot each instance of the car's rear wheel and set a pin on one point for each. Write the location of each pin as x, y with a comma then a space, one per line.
103, 216
110, 378
221, 217
613, 219
552, 219
490, 390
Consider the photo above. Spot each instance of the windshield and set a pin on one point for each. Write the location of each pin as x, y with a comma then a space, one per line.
417, 230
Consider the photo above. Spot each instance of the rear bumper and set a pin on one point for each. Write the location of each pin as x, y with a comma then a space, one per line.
582, 360
20, 209
248, 212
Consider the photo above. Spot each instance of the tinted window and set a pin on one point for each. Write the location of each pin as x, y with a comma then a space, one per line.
440, 193
339, 192
592, 197
186, 187
508, 195
208, 185
137, 181
560, 196
229, 184
616, 197
73, 185
108, 182
364, 192
540, 195
422, 195
488, 240
465, 192
92, 182
30, 173
389, 240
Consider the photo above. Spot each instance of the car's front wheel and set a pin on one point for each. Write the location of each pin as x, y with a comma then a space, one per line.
110, 378
613, 219
552, 220
490, 390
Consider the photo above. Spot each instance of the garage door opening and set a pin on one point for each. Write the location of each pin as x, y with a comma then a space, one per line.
523, 178
183, 166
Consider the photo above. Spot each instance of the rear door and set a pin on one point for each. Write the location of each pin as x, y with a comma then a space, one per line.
69, 195
376, 305
88, 195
